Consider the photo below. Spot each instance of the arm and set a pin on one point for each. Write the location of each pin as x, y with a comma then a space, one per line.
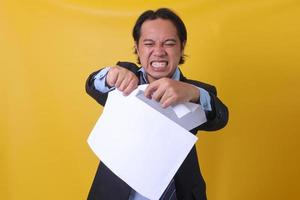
171, 92
91, 90
101, 97
217, 118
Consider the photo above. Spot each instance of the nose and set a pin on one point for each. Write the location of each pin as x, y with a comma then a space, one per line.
159, 50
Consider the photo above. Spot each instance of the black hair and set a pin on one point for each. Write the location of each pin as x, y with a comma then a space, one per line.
162, 13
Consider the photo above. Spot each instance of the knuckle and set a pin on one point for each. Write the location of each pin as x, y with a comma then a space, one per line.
155, 97
165, 80
172, 90
136, 80
168, 82
115, 69
174, 96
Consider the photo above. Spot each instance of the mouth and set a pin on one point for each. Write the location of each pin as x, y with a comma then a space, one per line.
159, 65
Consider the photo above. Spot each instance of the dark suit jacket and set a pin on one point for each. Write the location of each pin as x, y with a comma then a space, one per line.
189, 182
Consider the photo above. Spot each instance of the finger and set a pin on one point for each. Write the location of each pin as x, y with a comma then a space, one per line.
111, 78
167, 102
124, 83
165, 96
119, 80
159, 93
151, 88
131, 86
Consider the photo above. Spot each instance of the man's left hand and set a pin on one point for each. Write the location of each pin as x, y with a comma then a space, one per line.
171, 92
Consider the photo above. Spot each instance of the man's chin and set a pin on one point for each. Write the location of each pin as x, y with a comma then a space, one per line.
156, 76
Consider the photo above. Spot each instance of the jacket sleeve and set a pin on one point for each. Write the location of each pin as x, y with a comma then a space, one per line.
218, 117
99, 96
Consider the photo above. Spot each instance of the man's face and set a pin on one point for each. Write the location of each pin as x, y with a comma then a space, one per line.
159, 48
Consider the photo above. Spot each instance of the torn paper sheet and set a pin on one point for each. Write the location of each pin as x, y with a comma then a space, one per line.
139, 144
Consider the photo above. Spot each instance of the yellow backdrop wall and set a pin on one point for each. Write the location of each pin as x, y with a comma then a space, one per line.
248, 49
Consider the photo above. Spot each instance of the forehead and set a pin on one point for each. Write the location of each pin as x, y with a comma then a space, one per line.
158, 29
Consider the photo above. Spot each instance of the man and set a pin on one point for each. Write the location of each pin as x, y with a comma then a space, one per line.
159, 39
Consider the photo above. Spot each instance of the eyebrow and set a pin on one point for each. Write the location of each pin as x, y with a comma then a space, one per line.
170, 40
148, 40
167, 40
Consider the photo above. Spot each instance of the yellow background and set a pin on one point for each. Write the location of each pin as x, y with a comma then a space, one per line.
248, 49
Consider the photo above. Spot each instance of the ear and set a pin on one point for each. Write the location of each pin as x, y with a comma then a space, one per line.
136, 48
182, 48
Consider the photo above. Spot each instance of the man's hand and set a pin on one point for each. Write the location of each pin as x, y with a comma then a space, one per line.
123, 79
170, 92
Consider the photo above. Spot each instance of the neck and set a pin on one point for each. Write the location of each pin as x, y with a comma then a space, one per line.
150, 78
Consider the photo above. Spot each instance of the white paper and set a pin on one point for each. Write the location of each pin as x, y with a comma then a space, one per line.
139, 144
183, 109
188, 115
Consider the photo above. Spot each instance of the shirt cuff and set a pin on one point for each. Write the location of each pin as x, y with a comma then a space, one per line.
100, 81
205, 100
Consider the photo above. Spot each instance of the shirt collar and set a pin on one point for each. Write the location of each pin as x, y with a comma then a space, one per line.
175, 76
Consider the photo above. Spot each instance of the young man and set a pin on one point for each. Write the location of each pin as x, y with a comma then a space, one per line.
159, 40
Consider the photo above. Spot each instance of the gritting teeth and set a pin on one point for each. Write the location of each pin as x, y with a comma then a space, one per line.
159, 64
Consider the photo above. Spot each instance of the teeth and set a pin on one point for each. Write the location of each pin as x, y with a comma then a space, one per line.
159, 64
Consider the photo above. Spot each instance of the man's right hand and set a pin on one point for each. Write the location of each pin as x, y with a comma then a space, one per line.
123, 79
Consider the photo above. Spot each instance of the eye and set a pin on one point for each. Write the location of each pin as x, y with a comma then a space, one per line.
170, 43
149, 44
